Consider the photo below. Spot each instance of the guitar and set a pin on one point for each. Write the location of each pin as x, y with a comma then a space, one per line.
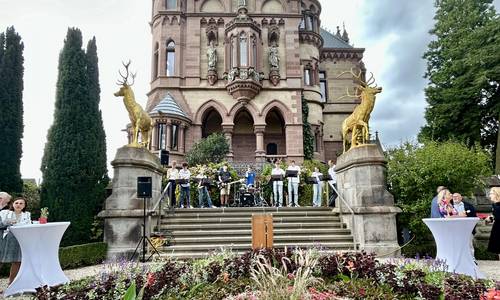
221, 185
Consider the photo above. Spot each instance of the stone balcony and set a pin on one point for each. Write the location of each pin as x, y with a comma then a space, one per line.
244, 83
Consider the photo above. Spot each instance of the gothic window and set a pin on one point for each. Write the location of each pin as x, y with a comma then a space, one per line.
302, 24
316, 141
323, 86
254, 51
162, 129
309, 22
170, 58
174, 137
156, 61
234, 52
308, 75
243, 49
170, 4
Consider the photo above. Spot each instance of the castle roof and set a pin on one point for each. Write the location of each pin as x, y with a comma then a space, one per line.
169, 106
333, 41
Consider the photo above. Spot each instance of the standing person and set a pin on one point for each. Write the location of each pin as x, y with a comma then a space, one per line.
203, 190
434, 203
11, 249
494, 243
317, 187
172, 175
4, 200
465, 209
224, 179
184, 173
4, 204
250, 176
445, 204
332, 183
293, 185
278, 185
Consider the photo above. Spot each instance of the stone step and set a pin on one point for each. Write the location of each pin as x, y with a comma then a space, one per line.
277, 232
302, 219
228, 226
207, 213
222, 240
247, 210
191, 255
247, 246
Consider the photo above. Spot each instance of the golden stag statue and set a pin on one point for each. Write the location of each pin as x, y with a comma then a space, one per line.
357, 123
140, 119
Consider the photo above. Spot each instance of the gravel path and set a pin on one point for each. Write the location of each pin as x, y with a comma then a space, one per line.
490, 268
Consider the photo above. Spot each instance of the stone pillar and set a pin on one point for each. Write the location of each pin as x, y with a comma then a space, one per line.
123, 214
260, 153
154, 138
182, 144
169, 136
361, 182
228, 134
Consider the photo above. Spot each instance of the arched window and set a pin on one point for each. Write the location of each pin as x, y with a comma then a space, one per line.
170, 4
243, 49
156, 60
234, 52
254, 51
162, 129
170, 68
174, 137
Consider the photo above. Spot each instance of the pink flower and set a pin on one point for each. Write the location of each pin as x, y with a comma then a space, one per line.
151, 279
291, 276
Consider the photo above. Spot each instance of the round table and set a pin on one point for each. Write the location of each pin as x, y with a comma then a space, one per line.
40, 257
453, 241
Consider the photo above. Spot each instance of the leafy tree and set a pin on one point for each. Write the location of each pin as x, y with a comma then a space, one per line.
463, 67
73, 166
415, 171
11, 106
212, 149
307, 132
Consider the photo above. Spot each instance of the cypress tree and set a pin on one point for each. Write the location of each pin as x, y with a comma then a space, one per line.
74, 177
308, 139
11, 106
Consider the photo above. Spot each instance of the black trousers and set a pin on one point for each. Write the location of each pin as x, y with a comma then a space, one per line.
333, 196
171, 193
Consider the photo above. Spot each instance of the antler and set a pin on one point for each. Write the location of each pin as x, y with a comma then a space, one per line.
348, 95
125, 77
371, 80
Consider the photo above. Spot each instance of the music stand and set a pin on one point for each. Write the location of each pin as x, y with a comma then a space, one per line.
311, 180
326, 177
291, 173
181, 181
276, 178
144, 239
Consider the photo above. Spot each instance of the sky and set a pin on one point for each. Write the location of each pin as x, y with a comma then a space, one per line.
394, 33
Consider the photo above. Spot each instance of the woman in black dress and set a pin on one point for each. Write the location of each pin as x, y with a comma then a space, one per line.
494, 244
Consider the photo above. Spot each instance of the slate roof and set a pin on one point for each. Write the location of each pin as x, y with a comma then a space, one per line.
333, 41
168, 105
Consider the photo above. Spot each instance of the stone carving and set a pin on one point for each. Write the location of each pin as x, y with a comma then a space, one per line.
274, 57
231, 76
212, 56
274, 77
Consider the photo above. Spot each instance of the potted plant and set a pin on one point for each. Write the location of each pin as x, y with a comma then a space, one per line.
44, 213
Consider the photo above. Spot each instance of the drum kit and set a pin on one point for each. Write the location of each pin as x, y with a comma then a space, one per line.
249, 196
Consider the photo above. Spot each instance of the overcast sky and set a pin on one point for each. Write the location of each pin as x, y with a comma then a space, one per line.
394, 33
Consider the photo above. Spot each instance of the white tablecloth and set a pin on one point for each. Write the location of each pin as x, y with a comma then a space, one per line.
40, 257
453, 242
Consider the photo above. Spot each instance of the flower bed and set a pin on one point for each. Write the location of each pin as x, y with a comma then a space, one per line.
277, 274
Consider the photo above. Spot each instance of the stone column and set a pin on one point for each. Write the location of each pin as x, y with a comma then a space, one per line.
361, 182
123, 214
169, 136
182, 127
260, 153
154, 138
227, 129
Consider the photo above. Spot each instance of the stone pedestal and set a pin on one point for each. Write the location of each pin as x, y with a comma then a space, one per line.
361, 182
123, 214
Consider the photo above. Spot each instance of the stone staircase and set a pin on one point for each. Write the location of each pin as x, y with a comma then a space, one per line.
197, 232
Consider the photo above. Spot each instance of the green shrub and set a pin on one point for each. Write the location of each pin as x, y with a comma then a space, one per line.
212, 149
82, 255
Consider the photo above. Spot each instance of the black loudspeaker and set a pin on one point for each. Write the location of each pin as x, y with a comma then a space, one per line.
164, 157
144, 187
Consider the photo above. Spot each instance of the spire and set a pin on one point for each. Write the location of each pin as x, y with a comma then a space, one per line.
345, 36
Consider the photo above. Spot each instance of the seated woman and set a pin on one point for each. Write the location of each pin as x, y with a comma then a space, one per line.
11, 251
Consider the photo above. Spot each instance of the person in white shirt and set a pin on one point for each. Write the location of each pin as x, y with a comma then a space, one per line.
278, 185
317, 187
293, 185
172, 175
203, 194
184, 173
332, 183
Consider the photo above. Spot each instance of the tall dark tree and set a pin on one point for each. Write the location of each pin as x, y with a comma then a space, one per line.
463, 67
74, 162
308, 139
11, 106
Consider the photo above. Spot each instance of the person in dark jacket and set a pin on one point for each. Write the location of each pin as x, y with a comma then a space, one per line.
464, 209
494, 243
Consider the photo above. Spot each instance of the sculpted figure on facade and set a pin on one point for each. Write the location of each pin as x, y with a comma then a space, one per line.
212, 56
274, 57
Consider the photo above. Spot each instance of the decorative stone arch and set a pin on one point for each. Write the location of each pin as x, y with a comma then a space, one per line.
269, 6
250, 107
286, 114
207, 106
212, 6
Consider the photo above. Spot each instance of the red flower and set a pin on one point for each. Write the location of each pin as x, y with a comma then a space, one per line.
290, 276
362, 292
151, 279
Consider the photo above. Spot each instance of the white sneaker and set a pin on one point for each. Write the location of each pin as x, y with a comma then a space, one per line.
182, 206
213, 206
190, 206
297, 205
